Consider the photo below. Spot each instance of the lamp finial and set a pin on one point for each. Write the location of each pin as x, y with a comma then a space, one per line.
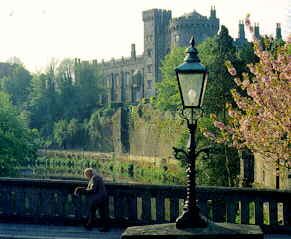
192, 42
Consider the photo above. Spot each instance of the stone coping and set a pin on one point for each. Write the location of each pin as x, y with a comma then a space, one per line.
214, 230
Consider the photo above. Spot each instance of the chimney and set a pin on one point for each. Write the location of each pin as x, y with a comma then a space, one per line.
133, 53
278, 31
257, 31
241, 33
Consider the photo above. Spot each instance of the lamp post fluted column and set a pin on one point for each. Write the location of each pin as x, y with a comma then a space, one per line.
191, 78
191, 217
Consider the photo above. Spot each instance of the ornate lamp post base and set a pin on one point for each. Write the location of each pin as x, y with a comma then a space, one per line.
191, 219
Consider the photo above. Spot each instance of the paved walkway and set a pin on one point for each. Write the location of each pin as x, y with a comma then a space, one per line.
26, 231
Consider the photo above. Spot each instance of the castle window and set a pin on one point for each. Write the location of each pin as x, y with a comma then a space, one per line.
150, 84
149, 51
149, 37
177, 38
108, 83
150, 68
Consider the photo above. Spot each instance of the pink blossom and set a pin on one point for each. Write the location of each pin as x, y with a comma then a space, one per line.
246, 83
219, 125
247, 20
232, 71
237, 81
229, 129
263, 116
241, 105
266, 79
209, 135
231, 113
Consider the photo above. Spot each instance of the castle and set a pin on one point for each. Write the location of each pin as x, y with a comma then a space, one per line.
129, 79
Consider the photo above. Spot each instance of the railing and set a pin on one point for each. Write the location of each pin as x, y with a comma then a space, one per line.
51, 201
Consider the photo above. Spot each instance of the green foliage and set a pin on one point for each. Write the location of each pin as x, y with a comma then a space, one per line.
15, 80
213, 53
62, 100
17, 142
168, 97
68, 133
42, 104
246, 55
61, 134
88, 90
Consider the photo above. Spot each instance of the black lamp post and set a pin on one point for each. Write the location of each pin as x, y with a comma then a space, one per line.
192, 78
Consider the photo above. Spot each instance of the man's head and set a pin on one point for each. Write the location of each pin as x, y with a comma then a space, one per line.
88, 173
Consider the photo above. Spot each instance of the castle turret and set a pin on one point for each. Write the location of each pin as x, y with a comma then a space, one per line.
133, 52
213, 12
278, 31
257, 31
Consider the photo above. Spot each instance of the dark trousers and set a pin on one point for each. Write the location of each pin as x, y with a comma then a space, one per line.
103, 212
91, 213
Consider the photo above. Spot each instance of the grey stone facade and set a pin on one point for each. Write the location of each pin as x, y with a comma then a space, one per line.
129, 79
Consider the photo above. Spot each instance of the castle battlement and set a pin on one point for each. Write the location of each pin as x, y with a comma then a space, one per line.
124, 61
190, 23
151, 14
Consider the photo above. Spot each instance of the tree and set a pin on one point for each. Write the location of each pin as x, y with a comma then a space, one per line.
168, 97
42, 106
61, 134
213, 53
87, 80
15, 80
67, 90
17, 142
261, 119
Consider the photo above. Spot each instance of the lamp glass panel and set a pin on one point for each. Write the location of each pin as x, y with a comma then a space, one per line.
204, 88
191, 87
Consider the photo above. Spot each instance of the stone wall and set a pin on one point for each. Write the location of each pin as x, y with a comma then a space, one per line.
153, 133
144, 132
265, 174
51, 202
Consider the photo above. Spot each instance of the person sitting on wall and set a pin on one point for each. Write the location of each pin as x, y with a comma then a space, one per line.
97, 198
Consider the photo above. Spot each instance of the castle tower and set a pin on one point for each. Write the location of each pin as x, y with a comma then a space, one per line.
278, 31
257, 31
193, 24
156, 45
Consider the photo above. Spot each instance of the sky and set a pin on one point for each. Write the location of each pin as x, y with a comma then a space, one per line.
37, 31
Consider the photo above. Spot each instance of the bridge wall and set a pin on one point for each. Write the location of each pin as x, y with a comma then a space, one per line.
51, 202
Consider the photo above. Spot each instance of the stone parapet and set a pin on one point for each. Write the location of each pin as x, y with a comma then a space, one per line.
51, 201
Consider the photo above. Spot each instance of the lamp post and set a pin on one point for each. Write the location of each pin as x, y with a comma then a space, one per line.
192, 79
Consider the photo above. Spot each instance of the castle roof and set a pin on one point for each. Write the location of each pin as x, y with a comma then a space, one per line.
193, 14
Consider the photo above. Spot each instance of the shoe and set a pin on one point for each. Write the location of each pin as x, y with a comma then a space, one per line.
104, 229
88, 226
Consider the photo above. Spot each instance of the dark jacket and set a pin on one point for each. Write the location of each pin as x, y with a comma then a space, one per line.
95, 190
